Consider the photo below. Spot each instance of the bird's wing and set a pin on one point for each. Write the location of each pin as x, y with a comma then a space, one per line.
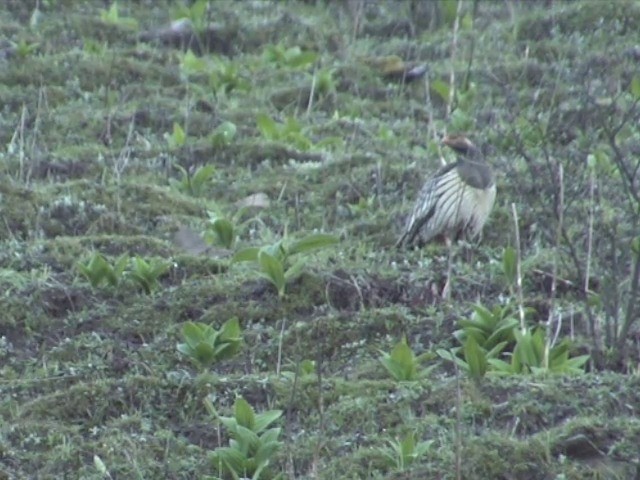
436, 208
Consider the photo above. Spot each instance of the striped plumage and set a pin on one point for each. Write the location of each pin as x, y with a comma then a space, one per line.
456, 201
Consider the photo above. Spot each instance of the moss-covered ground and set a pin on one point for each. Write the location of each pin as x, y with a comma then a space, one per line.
89, 160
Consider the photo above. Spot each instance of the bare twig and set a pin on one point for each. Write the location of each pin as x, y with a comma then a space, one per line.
458, 439
587, 273
518, 267
556, 254
452, 71
634, 295
280, 339
312, 92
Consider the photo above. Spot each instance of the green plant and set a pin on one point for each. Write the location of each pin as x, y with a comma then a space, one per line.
403, 365
365, 205
146, 273
98, 271
177, 138
474, 359
194, 184
491, 329
113, 17
223, 75
274, 260
192, 64
482, 337
302, 369
325, 83
289, 132
534, 354
25, 49
205, 346
402, 453
252, 444
196, 13
223, 232
486, 335
223, 134
293, 57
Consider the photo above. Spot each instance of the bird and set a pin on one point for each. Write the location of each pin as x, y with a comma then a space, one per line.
456, 201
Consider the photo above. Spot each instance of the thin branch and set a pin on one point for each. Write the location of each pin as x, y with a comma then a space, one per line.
452, 71
554, 271
634, 294
518, 268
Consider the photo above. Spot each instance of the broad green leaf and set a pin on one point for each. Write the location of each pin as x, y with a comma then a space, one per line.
198, 9
264, 419
112, 14
298, 140
229, 422
452, 357
224, 134
231, 330
467, 22
226, 350
295, 270
193, 333
267, 126
577, 363
143, 281
402, 353
401, 362
509, 265
272, 270
230, 459
495, 351
483, 317
100, 466
635, 87
302, 59
224, 231
312, 242
503, 333
442, 89
407, 445
276, 250
307, 367
525, 348
500, 366
475, 358
265, 451
559, 353
244, 414
185, 349
192, 64
247, 439
121, 264
203, 174
423, 447
449, 9
249, 254
635, 246
461, 121
204, 354
178, 138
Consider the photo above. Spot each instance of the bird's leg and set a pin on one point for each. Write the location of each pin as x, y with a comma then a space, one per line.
446, 291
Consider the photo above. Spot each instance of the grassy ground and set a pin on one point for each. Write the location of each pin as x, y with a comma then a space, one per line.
89, 163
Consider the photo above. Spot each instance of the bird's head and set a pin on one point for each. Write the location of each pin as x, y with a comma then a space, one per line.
460, 144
